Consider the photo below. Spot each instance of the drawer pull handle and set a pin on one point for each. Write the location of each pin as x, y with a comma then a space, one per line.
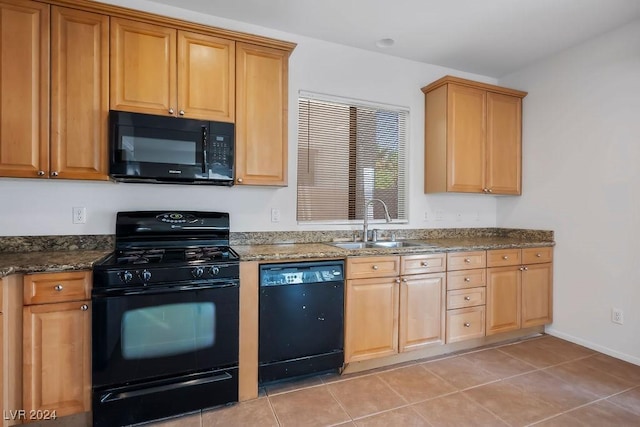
467, 279
84, 307
467, 260
375, 267
58, 287
538, 254
467, 324
467, 298
505, 257
425, 264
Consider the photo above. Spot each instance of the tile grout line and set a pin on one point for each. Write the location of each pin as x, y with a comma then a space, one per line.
273, 411
485, 408
339, 403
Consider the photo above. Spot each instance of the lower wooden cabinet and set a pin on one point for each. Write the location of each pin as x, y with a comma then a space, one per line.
393, 313
519, 296
371, 318
465, 323
57, 343
1, 357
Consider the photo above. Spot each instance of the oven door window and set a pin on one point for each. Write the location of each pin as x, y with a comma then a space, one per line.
168, 330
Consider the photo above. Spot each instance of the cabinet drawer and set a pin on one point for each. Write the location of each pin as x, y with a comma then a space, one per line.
466, 279
466, 260
504, 257
537, 255
57, 287
420, 264
463, 298
367, 267
465, 323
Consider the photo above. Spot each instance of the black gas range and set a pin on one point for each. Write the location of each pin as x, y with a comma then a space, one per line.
165, 318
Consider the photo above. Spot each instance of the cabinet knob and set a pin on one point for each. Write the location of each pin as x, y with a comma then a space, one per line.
54, 173
467, 260
467, 298
425, 264
375, 267
489, 190
526, 268
505, 257
58, 287
84, 307
170, 110
181, 112
467, 324
467, 279
485, 190
40, 173
404, 279
538, 255
521, 269
397, 280
239, 180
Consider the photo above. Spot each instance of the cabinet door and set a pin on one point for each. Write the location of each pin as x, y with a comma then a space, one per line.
371, 319
504, 144
503, 299
466, 139
24, 88
537, 295
261, 115
57, 357
422, 311
206, 77
1, 361
79, 94
143, 67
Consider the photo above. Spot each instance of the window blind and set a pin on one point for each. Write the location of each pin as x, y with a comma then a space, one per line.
348, 154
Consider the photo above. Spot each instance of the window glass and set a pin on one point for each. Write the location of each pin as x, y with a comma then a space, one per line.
347, 154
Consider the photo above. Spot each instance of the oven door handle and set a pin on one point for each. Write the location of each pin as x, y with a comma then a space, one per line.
110, 397
164, 290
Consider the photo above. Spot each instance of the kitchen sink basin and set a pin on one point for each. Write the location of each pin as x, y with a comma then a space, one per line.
379, 244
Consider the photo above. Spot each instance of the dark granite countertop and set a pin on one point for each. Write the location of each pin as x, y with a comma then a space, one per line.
48, 261
297, 251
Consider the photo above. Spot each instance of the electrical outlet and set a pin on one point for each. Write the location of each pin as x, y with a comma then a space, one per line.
426, 215
439, 215
617, 316
79, 215
275, 215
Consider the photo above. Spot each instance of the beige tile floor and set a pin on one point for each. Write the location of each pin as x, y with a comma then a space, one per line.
543, 381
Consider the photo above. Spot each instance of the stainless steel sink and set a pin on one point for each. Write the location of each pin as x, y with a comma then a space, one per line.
396, 244
350, 245
379, 244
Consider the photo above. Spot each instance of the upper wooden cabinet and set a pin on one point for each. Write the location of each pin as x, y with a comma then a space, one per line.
53, 111
261, 115
24, 88
161, 70
472, 137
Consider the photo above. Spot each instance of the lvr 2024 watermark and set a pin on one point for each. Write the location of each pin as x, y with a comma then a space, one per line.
31, 415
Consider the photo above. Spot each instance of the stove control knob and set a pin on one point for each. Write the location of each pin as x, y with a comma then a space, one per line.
126, 276
214, 271
197, 272
146, 275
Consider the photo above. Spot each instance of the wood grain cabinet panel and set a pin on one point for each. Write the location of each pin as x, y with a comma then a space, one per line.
465, 323
504, 257
466, 278
373, 267
261, 115
466, 260
371, 318
24, 88
57, 357
503, 299
421, 264
462, 298
537, 294
79, 94
422, 311
143, 67
56, 342
206, 77
472, 137
537, 255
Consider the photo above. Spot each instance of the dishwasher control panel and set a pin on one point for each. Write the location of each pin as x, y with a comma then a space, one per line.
299, 273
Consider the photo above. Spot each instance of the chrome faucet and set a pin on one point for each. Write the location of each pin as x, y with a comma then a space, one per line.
365, 225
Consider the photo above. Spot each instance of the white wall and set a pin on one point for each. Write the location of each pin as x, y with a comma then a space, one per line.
37, 207
582, 179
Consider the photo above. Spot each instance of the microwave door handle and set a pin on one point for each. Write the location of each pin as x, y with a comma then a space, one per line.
204, 151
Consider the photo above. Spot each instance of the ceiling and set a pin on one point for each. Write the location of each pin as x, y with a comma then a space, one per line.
487, 37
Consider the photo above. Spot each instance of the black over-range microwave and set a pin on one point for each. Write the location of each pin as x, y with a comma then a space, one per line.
147, 148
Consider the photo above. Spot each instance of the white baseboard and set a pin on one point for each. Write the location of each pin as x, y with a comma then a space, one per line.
594, 346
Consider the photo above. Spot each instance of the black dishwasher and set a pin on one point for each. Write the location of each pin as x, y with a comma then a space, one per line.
301, 319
